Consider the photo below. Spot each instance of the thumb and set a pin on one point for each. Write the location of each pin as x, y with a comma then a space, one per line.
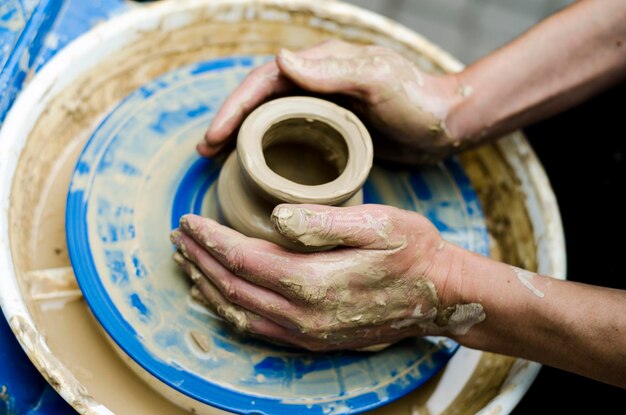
326, 74
364, 226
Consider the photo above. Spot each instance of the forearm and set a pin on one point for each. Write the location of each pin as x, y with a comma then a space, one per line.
562, 61
575, 327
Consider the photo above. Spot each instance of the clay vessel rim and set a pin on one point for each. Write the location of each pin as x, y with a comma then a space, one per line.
355, 135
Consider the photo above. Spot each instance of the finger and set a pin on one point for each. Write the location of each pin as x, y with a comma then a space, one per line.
206, 150
203, 269
242, 319
248, 320
268, 330
262, 83
325, 74
332, 48
363, 339
197, 296
235, 314
294, 275
364, 226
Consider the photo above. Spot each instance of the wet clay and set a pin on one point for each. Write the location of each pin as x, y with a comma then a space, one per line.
300, 163
40, 185
502, 198
305, 151
456, 319
294, 150
526, 278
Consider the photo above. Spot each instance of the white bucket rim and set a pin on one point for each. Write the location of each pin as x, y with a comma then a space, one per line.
114, 34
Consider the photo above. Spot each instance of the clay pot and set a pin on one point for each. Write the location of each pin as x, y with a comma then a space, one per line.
293, 150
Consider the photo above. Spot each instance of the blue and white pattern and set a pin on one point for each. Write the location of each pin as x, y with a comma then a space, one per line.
139, 173
13, 17
23, 28
33, 31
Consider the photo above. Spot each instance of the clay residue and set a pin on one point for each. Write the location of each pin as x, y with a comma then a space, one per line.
464, 317
54, 287
464, 90
374, 348
310, 228
201, 340
503, 201
456, 319
295, 224
482, 386
224, 308
526, 278
304, 291
57, 375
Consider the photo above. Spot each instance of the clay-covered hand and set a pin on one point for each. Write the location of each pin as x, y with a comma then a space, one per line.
406, 107
387, 280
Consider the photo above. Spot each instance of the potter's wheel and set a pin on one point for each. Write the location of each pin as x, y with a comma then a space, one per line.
139, 173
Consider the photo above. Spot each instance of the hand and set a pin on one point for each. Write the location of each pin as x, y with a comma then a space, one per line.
406, 107
387, 280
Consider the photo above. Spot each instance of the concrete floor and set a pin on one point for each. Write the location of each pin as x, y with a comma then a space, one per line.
466, 28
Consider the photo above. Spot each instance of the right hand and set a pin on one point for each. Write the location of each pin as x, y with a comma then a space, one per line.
406, 107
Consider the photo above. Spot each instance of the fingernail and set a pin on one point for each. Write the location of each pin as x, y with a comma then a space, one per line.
190, 222
289, 221
202, 148
283, 212
184, 221
178, 258
210, 144
194, 274
199, 228
196, 294
177, 239
175, 236
216, 123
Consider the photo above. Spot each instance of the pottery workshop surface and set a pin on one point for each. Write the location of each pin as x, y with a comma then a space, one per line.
69, 99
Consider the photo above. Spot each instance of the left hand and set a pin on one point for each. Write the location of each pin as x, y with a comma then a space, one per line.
405, 108
387, 280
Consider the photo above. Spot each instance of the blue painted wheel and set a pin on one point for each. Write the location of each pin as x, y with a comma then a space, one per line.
139, 173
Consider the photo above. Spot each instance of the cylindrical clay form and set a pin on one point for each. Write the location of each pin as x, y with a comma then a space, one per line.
293, 150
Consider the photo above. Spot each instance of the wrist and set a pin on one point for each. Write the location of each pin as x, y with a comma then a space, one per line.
458, 306
463, 123
448, 273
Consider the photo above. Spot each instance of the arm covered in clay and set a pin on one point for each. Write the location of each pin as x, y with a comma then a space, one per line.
417, 117
395, 277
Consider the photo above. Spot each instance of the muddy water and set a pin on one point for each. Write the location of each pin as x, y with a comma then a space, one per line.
40, 185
